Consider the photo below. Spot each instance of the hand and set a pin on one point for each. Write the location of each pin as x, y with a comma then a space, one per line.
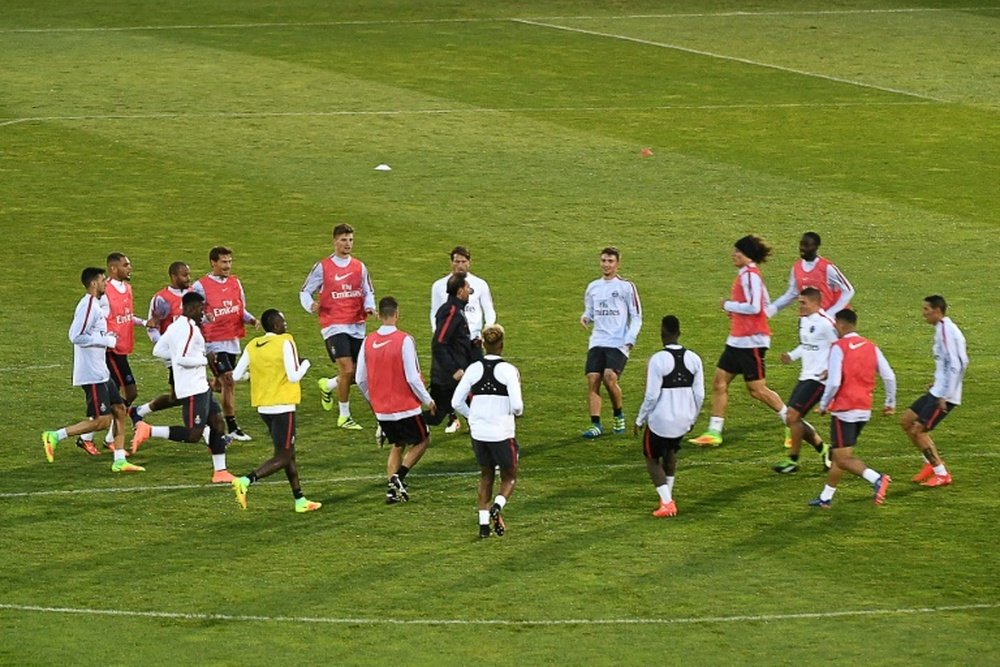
635, 429
629, 346
314, 308
943, 405
786, 358
822, 411
823, 376
369, 312
886, 411
584, 321
256, 324
153, 322
458, 374
432, 408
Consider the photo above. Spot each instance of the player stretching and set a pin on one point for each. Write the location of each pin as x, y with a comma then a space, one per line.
950, 362
611, 304
275, 370
748, 341
675, 390
850, 383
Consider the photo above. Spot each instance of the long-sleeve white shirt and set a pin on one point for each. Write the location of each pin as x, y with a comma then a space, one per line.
757, 300
834, 278
613, 306
183, 344
293, 371
950, 361
835, 376
411, 369
91, 340
491, 417
314, 283
671, 412
479, 310
817, 333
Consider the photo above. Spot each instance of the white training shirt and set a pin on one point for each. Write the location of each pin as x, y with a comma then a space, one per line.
671, 412
411, 369
91, 340
491, 418
314, 283
816, 334
478, 310
293, 371
613, 306
950, 361
183, 344
835, 375
834, 278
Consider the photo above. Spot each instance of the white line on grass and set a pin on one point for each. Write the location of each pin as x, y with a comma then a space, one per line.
495, 19
328, 620
182, 115
688, 463
720, 56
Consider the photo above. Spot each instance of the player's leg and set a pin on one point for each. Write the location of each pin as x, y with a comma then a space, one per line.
615, 361
723, 377
917, 422
487, 476
594, 370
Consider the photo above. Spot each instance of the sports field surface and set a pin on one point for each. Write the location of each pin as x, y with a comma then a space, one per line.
515, 128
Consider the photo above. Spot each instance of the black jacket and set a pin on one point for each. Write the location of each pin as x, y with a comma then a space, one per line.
451, 348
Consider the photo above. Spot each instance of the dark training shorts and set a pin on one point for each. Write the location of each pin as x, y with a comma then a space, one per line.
343, 345
928, 412
491, 454
405, 431
745, 361
844, 434
600, 359
656, 446
100, 398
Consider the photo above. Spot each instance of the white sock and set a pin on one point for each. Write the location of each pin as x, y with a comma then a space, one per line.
85, 436
500, 500
664, 491
926, 460
160, 432
345, 408
870, 475
62, 435
940, 470
219, 462
143, 410
119, 455
484, 517
206, 435
109, 437
783, 414
828, 492
715, 424
670, 483
331, 384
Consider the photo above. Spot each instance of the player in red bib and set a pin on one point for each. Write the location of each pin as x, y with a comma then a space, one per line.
344, 300
814, 271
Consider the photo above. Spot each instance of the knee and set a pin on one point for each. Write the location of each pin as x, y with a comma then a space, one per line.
792, 417
610, 379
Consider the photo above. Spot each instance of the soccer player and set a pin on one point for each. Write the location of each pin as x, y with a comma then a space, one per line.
225, 325
478, 310
275, 371
184, 345
748, 341
91, 339
817, 332
950, 361
346, 299
675, 391
489, 397
850, 383
388, 376
814, 271
612, 305
164, 308
451, 347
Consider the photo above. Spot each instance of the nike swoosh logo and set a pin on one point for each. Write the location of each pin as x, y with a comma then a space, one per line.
377, 345
262, 343
343, 277
855, 346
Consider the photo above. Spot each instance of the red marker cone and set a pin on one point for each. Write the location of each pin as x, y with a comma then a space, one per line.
646, 152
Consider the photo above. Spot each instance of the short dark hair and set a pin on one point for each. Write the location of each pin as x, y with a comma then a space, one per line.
90, 274
754, 247
814, 236
670, 326
937, 302
191, 298
847, 315
342, 228
115, 257
612, 250
388, 306
269, 318
175, 268
460, 250
812, 294
456, 282
218, 251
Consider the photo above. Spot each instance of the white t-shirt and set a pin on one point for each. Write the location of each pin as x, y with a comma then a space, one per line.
671, 411
479, 312
816, 334
613, 306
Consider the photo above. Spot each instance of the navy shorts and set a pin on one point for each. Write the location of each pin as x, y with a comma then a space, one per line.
600, 359
343, 345
503, 453
282, 429
121, 372
806, 395
745, 361
928, 412
656, 446
224, 362
198, 408
405, 431
100, 398
844, 434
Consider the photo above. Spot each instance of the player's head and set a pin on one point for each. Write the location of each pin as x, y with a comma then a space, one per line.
670, 329
458, 286
809, 301
809, 246
221, 259
343, 239
461, 258
610, 259
273, 321
752, 248
93, 279
119, 266
493, 338
180, 275
193, 305
934, 308
388, 310
846, 321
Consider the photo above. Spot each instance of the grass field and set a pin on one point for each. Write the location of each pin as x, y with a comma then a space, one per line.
163, 129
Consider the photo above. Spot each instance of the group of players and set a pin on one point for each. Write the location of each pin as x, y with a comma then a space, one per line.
838, 370
198, 326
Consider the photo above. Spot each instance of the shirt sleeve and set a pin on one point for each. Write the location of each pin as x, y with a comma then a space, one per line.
486, 302
293, 370
754, 287
411, 366
635, 316
699, 381
785, 299
79, 331
513, 382
313, 283
834, 376
888, 378
361, 374
655, 370
242, 366
837, 281
458, 403
161, 348
437, 300
588, 305
368, 289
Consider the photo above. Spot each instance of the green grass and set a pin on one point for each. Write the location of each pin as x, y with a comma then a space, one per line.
120, 132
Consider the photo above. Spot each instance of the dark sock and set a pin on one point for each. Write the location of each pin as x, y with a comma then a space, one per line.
179, 433
298, 493
495, 508
619, 413
231, 423
819, 447
252, 477
401, 473
794, 457
595, 419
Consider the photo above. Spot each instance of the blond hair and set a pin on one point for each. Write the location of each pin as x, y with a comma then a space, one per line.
493, 338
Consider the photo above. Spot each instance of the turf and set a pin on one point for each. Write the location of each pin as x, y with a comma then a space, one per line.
515, 129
